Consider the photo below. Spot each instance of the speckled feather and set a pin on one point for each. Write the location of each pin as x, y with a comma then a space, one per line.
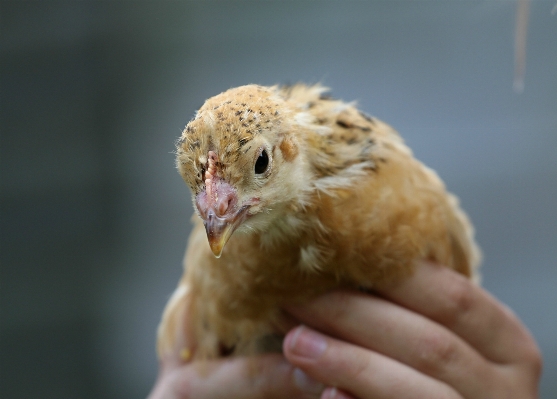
343, 204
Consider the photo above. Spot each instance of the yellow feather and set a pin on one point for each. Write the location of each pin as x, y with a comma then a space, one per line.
344, 204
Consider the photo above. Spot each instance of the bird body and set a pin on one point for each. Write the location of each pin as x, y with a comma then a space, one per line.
308, 194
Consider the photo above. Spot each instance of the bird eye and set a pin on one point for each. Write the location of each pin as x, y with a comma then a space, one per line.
262, 163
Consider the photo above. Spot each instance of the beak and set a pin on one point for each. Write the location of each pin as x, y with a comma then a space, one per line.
219, 229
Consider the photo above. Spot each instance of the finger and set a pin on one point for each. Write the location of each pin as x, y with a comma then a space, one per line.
361, 372
453, 301
175, 338
400, 334
266, 376
335, 393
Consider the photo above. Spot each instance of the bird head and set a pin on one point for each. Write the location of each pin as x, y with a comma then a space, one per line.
242, 159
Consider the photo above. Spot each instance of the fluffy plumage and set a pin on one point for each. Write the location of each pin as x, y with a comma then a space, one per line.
308, 194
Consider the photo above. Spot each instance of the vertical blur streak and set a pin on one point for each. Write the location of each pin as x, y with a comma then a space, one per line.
522, 13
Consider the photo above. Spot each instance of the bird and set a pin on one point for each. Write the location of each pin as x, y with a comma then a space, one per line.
297, 193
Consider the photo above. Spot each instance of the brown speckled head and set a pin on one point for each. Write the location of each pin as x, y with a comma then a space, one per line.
227, 124
240, 156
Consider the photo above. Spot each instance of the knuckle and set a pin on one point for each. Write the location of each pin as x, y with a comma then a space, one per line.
361, 369
435, 351
460, 295
344, 363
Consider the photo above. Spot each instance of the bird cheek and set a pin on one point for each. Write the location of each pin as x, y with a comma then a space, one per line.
289, 149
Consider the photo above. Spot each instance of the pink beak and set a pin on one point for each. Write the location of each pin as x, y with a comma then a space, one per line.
220, 213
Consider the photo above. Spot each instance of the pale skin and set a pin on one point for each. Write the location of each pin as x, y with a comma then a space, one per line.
434, 335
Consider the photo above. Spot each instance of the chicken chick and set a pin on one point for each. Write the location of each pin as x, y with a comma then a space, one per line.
298, 194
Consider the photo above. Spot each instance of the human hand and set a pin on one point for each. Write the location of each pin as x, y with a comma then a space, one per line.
266, 376
434, 335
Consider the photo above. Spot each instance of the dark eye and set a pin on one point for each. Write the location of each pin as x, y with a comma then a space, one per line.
262, 163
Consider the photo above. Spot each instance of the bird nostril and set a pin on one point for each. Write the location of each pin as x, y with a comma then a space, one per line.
221, 201
223, 205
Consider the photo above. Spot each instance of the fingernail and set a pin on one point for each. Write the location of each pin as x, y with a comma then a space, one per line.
307, 343
306, 383
330, 393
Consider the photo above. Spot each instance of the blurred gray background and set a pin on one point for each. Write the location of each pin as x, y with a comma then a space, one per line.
94, 217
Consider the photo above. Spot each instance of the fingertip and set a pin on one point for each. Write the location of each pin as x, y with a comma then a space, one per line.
306, 384
304, 344
334, 393
291, 338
